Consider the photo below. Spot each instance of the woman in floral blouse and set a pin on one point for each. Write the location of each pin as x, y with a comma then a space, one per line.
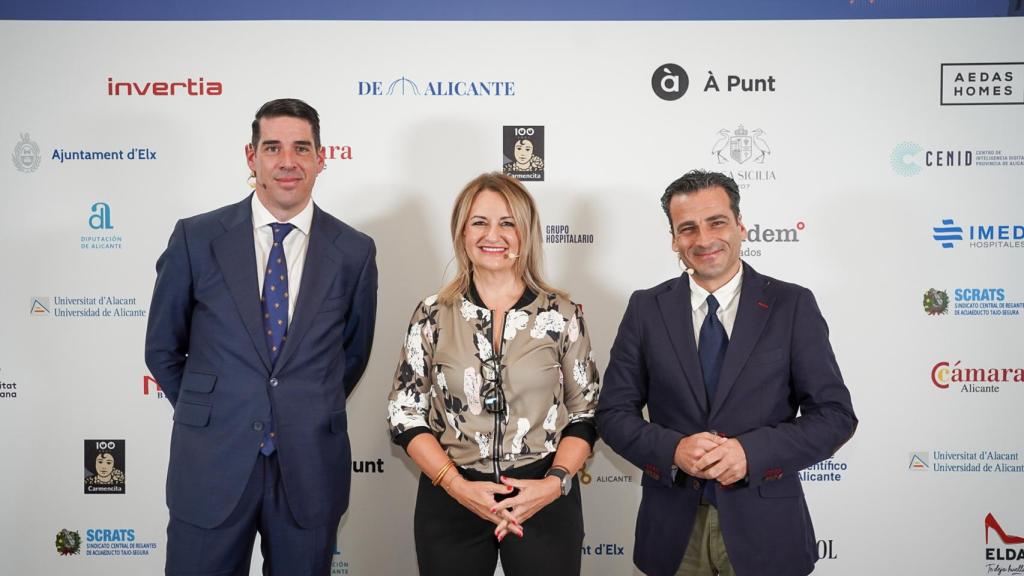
494, 399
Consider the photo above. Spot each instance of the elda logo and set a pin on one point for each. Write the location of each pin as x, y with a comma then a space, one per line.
670, 81
1007, 539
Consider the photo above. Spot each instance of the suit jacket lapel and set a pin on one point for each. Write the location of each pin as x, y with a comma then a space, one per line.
235, 252
322, 262
677, 313
752, 315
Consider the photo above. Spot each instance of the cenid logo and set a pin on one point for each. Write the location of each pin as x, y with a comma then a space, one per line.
904, 159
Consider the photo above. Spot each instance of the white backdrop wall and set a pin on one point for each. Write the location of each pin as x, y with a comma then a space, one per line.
844, 199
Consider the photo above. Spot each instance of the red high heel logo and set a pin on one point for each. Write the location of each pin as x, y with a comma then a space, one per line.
991, 524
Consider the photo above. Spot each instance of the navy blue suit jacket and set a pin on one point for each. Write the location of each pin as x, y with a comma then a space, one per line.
779, 360
206, 348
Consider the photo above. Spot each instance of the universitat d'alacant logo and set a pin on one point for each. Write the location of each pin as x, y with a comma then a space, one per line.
26, 155
936, 302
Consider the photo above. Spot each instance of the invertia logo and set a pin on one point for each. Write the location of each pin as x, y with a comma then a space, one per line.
189, 87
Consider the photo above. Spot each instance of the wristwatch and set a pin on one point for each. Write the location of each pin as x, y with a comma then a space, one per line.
563, 477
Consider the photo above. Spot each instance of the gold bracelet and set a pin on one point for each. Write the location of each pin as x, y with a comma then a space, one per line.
450, 482
440, 473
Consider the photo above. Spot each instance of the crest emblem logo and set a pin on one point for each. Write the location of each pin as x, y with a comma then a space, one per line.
936, 302
68, 542
26, 156
741, 145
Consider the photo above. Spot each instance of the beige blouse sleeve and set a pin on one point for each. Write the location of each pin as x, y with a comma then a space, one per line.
409, 401
581, 382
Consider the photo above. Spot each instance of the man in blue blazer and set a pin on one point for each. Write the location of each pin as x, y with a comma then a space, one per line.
260, 326
742, 390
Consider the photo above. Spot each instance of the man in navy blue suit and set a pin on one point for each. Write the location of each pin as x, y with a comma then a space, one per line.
260, 327
742, 391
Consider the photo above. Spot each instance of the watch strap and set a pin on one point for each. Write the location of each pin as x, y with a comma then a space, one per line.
563, 478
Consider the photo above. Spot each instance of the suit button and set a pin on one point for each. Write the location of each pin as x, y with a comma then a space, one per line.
257, 425
696, 484
273, 382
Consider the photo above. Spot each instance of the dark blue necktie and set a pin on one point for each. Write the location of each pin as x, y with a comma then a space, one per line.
713, 343
275, 312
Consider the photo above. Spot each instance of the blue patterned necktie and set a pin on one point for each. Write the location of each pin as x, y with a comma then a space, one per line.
713, 343
275, 311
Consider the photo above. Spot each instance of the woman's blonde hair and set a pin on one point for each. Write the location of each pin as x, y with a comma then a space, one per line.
527, 223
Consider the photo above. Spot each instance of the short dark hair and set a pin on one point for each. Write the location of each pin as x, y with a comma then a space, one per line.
291, 107
696, 180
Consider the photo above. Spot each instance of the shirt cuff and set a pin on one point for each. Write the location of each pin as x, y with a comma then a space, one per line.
584, 430
404, 438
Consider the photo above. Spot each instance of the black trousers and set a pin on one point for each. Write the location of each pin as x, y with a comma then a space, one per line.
452, 541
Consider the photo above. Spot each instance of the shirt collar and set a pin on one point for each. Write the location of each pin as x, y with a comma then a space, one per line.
475, 299
725, 295
262, 217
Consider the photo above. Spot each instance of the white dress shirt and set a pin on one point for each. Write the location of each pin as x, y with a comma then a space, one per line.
295, 245
728, 297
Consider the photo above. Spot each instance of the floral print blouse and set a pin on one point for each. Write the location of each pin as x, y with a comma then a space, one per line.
447, 367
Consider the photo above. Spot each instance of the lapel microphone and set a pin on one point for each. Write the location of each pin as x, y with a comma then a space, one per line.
511, 255
686, 267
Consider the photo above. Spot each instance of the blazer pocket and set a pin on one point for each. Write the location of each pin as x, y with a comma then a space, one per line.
786, 487
192, 414
769, 357
339, 422
198, 382
332, 304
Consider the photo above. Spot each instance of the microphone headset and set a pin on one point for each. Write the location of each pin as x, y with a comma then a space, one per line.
684, 265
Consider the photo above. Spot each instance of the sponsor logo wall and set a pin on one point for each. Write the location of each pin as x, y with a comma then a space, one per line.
888, 186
